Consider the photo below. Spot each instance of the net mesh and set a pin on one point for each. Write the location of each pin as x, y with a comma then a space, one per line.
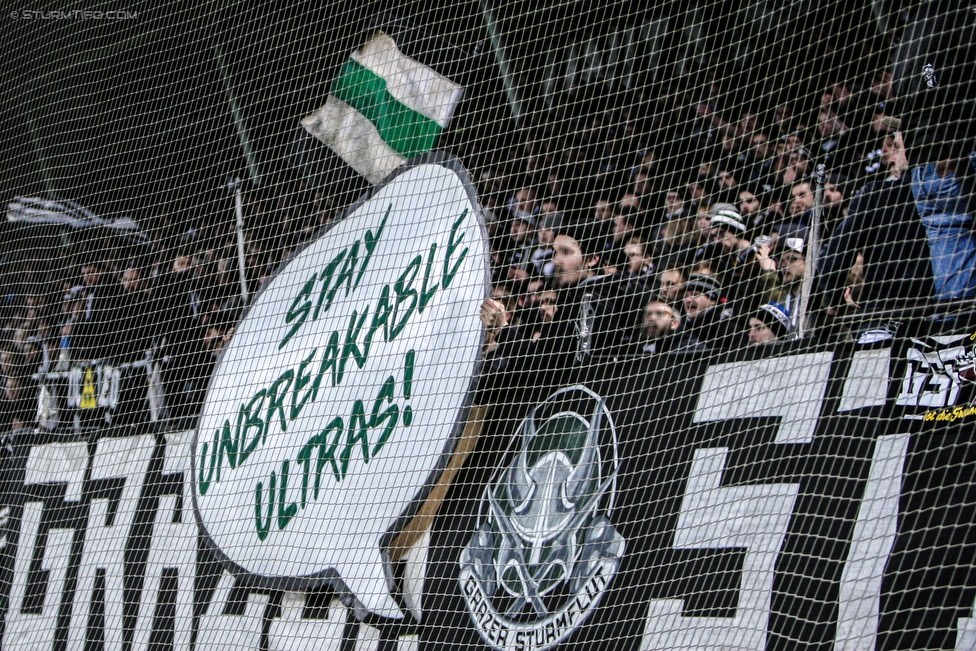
488, 325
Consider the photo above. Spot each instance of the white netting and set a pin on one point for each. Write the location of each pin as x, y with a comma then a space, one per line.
488, 325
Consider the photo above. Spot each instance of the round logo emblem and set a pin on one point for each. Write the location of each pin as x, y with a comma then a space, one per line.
545, 549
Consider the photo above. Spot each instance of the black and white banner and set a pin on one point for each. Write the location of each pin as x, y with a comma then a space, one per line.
100, 551
821, 498
814, 498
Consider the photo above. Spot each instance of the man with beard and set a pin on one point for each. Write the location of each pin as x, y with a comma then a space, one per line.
705, 325
585, 324
660, 332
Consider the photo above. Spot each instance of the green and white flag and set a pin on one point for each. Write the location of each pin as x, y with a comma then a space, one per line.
383, 108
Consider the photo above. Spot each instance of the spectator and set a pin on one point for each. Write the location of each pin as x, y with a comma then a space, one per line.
705, 324
675, 202
507, 298
521, 242
629, 201
746, 270
544, 308
10, 360
760, 160
625, 222
134, 333
95, 334
835, 201
675, 237
883, 227
177, 302
215, 336
831, 146
792, 267
576, 254
867, 157
670, 285
639, 259
783, 119
936, 98
749, 205
586, 319
660, 331
18, 394
549, 224
770, 323
642, 184
725, 178
604, 205
727, 228
801, 202
703, 220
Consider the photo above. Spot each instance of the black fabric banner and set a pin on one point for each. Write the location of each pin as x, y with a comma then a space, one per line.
796, 501
792, 498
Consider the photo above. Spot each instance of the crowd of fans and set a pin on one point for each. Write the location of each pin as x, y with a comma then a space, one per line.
656, 226
692, 233
173, 298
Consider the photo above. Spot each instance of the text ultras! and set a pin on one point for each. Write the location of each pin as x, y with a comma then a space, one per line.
365, 429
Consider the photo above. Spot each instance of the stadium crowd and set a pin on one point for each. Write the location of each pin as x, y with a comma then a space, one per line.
655, 226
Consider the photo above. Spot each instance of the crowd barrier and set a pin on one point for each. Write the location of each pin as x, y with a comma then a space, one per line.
91, 395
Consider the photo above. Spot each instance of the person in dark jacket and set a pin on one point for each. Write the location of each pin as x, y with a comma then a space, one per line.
883, 226
661, 331
706, 326
178, 301
585, 323
134, 335
95, 334
18, 393
935, 99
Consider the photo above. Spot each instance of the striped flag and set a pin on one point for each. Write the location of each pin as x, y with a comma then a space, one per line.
383, 108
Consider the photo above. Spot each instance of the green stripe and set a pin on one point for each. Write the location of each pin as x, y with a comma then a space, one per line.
406, 131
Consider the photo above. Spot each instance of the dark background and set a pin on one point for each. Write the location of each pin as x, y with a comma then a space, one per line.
127, 116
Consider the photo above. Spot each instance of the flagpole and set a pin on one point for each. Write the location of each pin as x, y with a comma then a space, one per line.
501, 55
812, 246
41, 160
234, 185
252, 163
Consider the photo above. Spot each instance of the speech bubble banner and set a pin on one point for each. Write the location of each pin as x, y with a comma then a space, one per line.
338, 401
